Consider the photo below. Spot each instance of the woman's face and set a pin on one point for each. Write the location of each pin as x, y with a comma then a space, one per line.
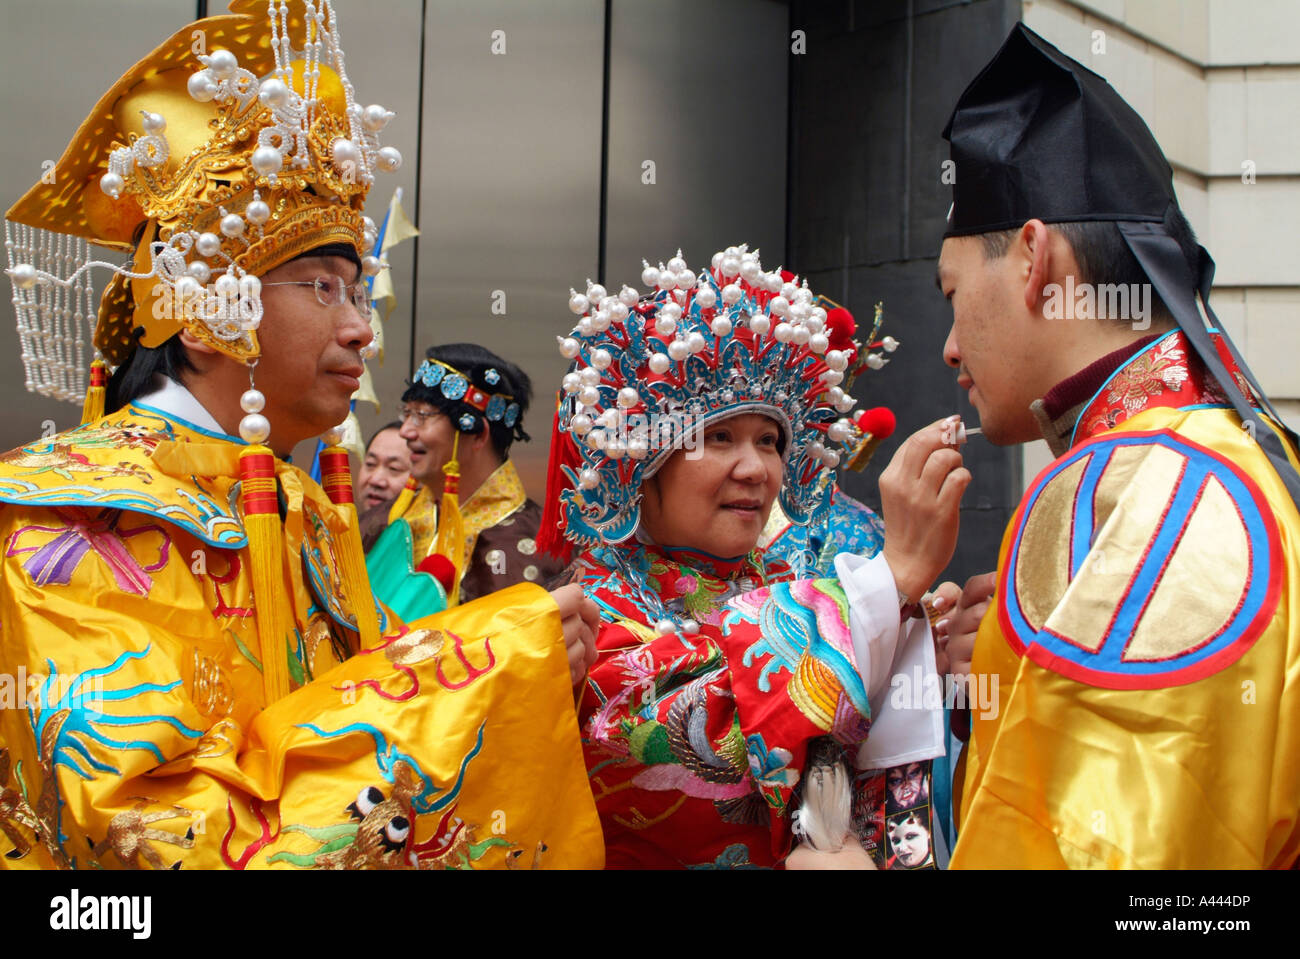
716, 498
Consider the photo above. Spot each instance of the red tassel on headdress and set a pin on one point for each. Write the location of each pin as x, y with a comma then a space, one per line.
550, 538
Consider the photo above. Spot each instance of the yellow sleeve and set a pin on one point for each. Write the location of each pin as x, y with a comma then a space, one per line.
453, 744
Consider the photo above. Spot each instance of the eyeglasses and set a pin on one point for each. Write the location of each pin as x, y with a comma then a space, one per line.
332, 291
405, 413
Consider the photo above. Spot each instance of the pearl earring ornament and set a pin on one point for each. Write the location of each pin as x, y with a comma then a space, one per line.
334, 435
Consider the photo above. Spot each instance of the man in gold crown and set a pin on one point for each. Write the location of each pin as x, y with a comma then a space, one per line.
192, 670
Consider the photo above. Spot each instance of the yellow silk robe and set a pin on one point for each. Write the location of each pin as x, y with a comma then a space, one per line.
132, 722
1145, 641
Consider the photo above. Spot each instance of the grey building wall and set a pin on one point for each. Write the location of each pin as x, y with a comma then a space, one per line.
868, 101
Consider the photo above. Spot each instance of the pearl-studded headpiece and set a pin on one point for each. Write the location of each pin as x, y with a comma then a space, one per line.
213, 163
650, 372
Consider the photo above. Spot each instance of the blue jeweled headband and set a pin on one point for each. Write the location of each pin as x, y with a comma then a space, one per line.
456, 386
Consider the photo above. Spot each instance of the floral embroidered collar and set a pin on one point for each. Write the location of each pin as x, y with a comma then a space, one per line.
1164, 374
685, 583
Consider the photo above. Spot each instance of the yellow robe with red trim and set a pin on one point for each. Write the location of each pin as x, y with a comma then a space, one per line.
132, 723
1145, 643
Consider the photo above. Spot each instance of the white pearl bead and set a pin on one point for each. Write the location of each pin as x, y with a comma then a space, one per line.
252, 401
889, 343
845, 404
595, 292
578, 303
665, 627
589, 376
784, 332
608, 419
650, 276
600, 322
250, 287
273, 93
638, 448
571, 383
750, 271
208, 244
186, 288
200, 271
589, 479
369, 351
685, 279
730, 265
706, 297
597, 439
222, 63
800, 336
690, 627
677, 264
227, 285
589, 396
258, 212
267, 160
569, 347
665, 325
695, 341
667, 280
628, 296
202, 86
836, 360
731, 294
760, 324
334, 435
615, 449
388, 159
254, 428
778, 306
375, 117
618, 312
24, 275
831, 459
371, 265
678, 350
720, 326
628, 397
345, 153
818, 342
154, 122
835, 394
816, 450
111, 184
875, 361
832, 377
580, 424
659, 362
600, 359
232, 225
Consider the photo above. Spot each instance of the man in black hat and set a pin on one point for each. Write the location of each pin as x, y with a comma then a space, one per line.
1138, 625
462, 411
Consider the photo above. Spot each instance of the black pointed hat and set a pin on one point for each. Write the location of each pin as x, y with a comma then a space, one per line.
1037, 135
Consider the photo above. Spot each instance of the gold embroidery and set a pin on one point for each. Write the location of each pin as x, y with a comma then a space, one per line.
212, 691
417, 646
130, 834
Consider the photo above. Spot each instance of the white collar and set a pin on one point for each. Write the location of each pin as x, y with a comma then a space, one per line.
168, 396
